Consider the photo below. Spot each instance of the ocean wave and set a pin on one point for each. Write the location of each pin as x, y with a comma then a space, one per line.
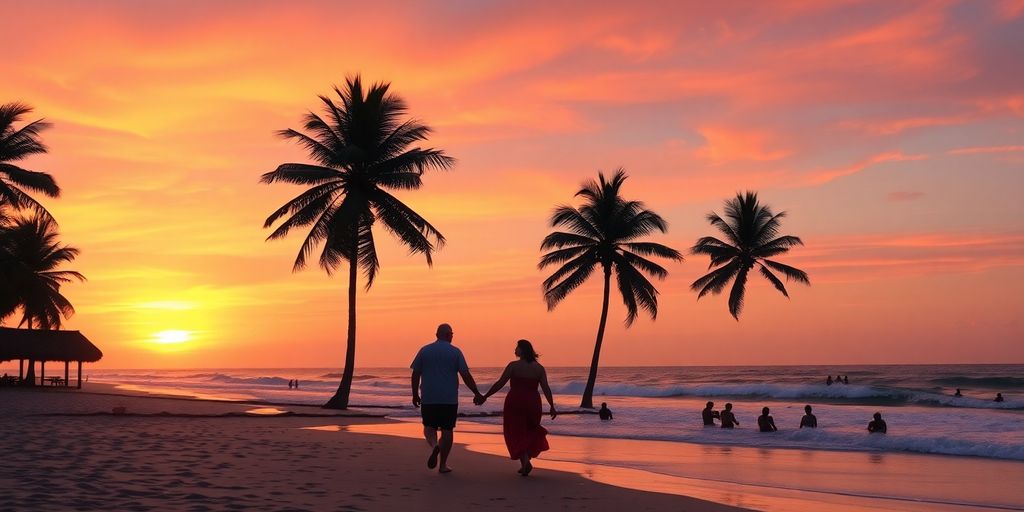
259, 381
354, 377
875, 395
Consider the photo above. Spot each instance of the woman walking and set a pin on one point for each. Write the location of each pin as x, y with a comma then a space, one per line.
524, 436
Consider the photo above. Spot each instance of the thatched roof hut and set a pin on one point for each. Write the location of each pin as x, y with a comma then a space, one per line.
45, 345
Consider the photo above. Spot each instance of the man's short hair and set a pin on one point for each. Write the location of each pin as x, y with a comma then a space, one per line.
443, 328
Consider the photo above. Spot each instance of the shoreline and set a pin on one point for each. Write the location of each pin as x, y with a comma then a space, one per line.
133, 390
658, 463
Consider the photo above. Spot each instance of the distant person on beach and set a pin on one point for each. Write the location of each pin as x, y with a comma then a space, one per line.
839, 379
828, 381
438, 365
604, 413
291, 383
809, 420
766, 423
958, 392
877, 425
846, 379
525, 438
728, 418
999, 397
296, 383
710, 415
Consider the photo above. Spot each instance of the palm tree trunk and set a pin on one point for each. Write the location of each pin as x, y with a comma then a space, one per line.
340, 398
588, 392
30, 375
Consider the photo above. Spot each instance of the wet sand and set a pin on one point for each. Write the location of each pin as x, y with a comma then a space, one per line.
63, 450
770, 479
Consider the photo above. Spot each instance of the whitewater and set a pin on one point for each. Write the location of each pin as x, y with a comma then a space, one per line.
664, 403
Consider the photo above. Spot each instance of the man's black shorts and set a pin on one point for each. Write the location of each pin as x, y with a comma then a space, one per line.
440, 416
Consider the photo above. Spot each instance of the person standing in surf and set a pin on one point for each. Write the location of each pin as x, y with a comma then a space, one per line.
728, 418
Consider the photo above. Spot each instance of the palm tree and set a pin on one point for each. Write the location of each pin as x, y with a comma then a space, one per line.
752, 233
604, 232
16, 145
30, 256
361, 150
8, 297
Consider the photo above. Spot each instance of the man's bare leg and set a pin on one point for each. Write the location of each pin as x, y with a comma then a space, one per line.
430, 434
447, 437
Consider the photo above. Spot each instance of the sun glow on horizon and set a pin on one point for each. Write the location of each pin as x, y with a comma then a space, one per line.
172, 337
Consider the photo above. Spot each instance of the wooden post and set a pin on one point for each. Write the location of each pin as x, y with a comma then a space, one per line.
21, 369
42, 372
79, 375
66, 364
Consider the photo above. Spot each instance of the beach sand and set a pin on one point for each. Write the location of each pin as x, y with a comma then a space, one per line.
59, 455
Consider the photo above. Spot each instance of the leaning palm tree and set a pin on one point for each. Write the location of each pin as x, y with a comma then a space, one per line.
15, 145
361, 149
605, 233
751, 237
30, 257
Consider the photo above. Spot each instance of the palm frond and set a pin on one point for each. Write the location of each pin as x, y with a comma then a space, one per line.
626, 258
409, 227
791, 273
32, 180
560, 239
739, 289
312, 208
560, 256
576, 271
301, 174
724, 227
636, 290
772, 279
654, 249
714, 282
776, 246
571, 218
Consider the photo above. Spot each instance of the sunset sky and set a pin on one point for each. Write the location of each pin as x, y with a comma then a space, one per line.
892, 133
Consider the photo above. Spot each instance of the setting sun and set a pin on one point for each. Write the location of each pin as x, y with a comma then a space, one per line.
172, 336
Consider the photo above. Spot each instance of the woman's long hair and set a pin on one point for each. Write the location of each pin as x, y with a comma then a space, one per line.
526, 349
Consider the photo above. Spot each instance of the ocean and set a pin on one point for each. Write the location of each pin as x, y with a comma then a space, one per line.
664, 403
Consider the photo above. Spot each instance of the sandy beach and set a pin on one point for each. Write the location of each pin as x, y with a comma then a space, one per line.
175, 454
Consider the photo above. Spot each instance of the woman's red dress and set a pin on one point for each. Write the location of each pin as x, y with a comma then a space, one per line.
521, 426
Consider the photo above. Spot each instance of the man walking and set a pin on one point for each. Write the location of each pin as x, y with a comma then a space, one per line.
439, 365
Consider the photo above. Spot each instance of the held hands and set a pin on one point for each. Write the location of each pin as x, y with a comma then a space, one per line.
479, 399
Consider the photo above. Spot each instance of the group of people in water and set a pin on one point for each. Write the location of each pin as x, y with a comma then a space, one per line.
765, 422
844, 379
293, 384
998, 398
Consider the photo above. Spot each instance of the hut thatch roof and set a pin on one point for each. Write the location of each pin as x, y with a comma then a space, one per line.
43, 345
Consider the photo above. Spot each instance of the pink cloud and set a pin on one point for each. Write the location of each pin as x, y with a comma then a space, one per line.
826, 175
986, 149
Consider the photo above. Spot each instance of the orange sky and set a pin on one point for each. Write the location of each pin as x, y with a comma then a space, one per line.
892, 132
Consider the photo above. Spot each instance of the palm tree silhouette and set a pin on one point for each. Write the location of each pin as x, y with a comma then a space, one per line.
30, 255
15, 145
360, 148
752, 233
604, 233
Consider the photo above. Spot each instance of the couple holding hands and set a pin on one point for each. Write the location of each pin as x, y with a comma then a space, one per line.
436, 370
